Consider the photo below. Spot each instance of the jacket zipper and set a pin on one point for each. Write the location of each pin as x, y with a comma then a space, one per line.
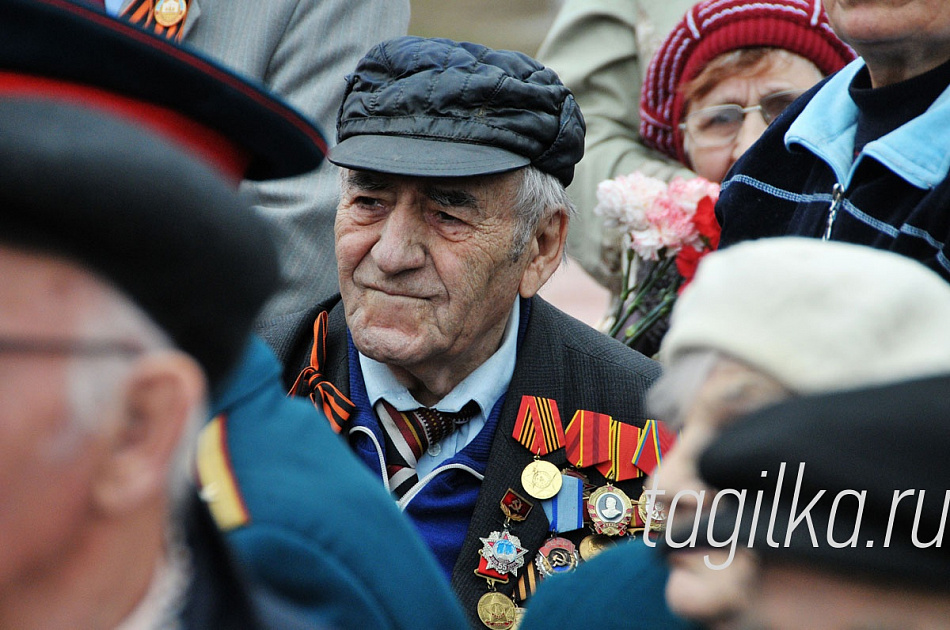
837, 194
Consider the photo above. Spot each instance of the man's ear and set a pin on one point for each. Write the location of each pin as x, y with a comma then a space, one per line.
164, 391
546, 250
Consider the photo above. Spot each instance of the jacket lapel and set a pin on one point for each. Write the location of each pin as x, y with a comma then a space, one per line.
194, 11
538, 372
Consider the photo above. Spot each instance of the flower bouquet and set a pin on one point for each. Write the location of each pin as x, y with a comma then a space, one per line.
665, 224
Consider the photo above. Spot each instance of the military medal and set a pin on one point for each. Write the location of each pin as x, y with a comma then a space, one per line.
538, 428
496, 610
593, 545
655, 440
541, 479
586, 438
169, 12
557, 555
515, 506
610, 511
503, 552
652, 509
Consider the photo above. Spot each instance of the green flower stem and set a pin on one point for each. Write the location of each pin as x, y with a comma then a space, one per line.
625, 311
640, 328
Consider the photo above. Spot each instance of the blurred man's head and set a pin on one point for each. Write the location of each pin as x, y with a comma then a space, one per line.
770, 319
130, 274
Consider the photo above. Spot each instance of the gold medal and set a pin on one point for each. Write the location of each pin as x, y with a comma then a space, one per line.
169, 12
593, 545
496, 611
654, 510
541, 479
610, 511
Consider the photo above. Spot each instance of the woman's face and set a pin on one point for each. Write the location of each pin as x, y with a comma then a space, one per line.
779, 71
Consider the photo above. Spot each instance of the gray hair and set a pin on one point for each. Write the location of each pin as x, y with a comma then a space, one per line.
539, 195
672, 395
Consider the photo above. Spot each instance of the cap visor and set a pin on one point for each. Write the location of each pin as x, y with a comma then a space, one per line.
417, 157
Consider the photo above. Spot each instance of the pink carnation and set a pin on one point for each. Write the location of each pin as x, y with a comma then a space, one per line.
657, 216
624, 201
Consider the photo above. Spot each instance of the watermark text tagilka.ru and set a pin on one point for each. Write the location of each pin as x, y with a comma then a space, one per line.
852, 502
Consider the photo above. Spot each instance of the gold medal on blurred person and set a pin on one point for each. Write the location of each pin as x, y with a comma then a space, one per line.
169, 12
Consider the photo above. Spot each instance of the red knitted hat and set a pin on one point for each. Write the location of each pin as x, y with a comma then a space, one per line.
713, 27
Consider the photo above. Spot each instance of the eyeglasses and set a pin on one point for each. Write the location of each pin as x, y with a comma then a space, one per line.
83, 347
718, 126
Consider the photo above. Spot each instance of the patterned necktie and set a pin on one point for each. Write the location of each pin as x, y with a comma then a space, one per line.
409, 434
162, 17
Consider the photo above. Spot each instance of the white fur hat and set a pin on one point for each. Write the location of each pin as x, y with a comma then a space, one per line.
816, 315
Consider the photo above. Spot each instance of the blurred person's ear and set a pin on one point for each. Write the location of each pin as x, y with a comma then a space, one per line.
164, 390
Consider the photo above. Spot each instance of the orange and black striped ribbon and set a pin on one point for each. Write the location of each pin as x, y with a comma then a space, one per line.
142, 12
538, 427
324, 394
527, 583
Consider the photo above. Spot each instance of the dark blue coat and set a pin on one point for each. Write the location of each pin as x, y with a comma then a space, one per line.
306, 518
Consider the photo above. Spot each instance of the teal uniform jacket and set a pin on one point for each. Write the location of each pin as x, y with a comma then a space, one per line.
306, 518
623, 587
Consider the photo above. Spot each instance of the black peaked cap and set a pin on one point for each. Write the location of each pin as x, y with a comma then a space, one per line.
62, 40
162, 226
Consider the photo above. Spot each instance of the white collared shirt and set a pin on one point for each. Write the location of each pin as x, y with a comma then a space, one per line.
485, 386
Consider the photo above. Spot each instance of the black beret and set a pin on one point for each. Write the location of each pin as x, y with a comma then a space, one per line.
59, 49
162, 226
439, 108
881, 441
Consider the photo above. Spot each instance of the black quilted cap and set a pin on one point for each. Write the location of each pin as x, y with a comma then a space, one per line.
439, 108
160, 225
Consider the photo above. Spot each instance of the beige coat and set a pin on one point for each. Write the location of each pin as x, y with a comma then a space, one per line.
600, 49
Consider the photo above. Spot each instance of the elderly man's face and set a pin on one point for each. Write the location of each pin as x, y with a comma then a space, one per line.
427, 270
44, 476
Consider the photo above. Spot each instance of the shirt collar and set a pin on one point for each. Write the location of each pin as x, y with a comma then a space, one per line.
915, 151
485, 385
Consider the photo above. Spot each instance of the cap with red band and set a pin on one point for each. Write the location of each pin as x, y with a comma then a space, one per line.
59, 50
